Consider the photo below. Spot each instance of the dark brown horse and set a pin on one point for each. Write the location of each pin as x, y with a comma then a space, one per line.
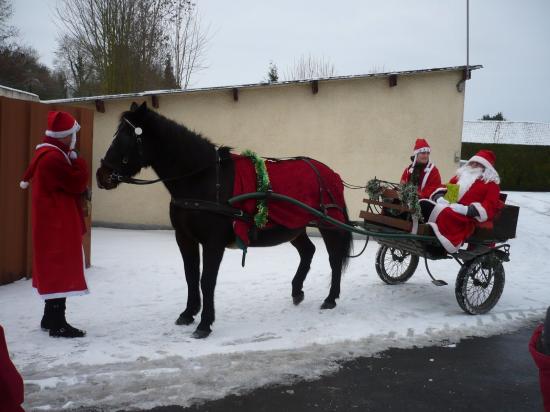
186, 163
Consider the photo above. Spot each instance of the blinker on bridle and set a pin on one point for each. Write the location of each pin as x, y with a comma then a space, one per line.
115, 175
138, 131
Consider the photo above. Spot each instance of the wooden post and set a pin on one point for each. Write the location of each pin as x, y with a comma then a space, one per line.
315, 86
155, 101
100, 106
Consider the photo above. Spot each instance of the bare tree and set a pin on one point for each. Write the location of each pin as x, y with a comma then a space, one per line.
6, 30
76, 67
125, 45
309, 67
188, 41
378, 69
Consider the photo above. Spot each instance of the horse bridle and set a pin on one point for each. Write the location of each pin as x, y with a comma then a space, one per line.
117, 176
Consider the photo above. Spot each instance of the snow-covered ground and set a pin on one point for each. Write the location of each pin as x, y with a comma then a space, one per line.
135, 356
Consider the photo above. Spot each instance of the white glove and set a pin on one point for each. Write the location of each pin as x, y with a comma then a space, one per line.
442, 201
459, 208
73, 155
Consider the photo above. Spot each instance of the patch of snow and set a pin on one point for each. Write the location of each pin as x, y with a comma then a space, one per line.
134, 356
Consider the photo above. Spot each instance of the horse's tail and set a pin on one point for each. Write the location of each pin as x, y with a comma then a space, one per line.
347, 237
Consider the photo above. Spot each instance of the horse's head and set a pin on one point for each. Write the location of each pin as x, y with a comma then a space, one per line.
126, 155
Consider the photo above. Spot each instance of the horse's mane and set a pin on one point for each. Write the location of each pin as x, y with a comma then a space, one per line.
184, 144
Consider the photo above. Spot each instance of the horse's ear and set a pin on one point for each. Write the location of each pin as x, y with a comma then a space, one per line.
134, 106
143, 106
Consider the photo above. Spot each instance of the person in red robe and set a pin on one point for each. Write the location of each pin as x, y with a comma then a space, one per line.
12, 390
539, 347
421, 172
59, 178
454, 220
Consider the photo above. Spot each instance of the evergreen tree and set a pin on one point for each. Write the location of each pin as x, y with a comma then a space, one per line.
497, 116
272, 73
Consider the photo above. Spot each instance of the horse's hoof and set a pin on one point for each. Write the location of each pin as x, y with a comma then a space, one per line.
201, 334
184, 320
297, 299
328, 305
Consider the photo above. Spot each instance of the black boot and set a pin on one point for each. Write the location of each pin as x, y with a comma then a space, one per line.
59, 327
543, 345
49, 314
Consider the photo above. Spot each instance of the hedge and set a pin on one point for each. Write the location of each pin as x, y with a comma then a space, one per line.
521, 167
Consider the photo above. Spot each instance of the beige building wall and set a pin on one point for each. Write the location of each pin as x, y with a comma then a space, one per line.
360, 127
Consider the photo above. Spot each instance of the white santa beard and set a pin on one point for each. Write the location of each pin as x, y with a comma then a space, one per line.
467, 175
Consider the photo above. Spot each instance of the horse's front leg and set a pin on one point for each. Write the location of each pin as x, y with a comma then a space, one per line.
211, 259
191, 261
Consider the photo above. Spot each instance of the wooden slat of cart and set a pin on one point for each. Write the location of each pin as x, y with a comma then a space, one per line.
386, 220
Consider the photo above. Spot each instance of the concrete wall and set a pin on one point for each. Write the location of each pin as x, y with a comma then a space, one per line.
18, 94
360, 127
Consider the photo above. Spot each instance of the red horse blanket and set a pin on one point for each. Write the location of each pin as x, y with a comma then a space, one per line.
294, 178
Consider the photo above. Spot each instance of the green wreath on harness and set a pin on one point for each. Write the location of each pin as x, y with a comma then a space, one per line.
262, 185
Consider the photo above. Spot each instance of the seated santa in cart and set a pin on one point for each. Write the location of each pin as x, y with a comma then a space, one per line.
471, 197
421, 172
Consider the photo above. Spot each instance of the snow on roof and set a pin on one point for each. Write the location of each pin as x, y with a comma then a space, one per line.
504, 132
264, 84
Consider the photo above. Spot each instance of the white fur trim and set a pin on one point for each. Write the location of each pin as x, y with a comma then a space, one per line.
427, 172
438, 190
72, 155
64, 294
487, 165
422, 150
23, 184
52, 145
63, 133
446, 243
482, 212
438, 208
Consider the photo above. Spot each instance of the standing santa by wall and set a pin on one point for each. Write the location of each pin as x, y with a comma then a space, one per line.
58, 179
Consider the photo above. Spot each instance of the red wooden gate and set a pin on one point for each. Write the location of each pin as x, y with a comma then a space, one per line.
22, 126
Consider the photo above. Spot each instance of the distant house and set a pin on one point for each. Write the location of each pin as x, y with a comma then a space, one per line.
522, 150
504, 132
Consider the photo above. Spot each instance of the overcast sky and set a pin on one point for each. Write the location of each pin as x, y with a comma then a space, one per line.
510, 38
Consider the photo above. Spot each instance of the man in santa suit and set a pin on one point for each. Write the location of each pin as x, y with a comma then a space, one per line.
478, 200
58, 177
421, 172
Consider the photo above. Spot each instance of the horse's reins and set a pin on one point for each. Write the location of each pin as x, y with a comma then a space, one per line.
116, 176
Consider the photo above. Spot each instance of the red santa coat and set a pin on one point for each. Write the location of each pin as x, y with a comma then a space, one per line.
543, 363
429, 179
11, 383
452, 228
57, 220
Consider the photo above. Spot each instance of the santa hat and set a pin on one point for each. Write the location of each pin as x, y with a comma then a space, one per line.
420, 146
487, 158
60, 125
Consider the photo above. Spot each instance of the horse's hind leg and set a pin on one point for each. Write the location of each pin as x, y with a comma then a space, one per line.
338, 245
191, 261
306, 249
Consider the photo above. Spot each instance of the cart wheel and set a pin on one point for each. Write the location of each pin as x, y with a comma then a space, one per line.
479, 284
395, 266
